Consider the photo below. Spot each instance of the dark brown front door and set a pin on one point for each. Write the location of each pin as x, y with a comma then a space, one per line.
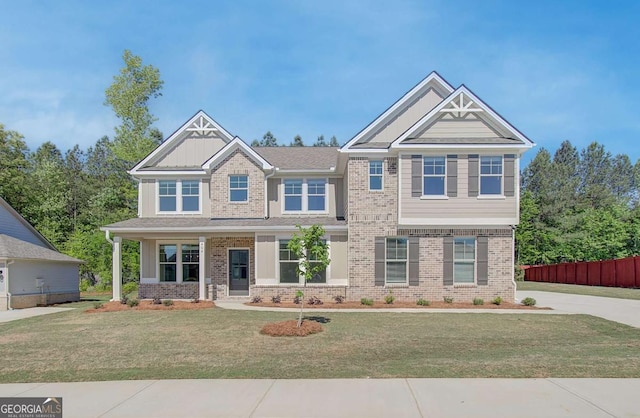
238, 272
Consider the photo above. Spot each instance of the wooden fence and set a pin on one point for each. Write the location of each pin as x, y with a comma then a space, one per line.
624, 272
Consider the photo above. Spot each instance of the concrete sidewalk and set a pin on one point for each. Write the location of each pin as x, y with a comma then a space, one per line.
625, 311
582, 398
15, 314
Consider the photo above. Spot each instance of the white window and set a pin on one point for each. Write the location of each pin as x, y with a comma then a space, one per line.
305, 195
433, 176
396, 260
289, 262
178, 196
238, 188
464, 260
375, 175
179, 262
490, 175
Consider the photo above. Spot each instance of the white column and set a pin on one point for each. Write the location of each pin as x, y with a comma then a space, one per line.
201, 269
117, 269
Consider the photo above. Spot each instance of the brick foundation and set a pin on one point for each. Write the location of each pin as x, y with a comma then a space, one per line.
168, 291
324, 293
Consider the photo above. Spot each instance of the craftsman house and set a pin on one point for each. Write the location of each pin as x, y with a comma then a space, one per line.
423, 201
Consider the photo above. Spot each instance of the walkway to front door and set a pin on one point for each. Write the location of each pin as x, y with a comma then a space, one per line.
238, 272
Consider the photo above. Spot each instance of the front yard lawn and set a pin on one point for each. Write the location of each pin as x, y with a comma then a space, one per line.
218, 343
608, 292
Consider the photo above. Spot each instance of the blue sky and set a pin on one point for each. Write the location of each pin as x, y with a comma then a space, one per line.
555, 69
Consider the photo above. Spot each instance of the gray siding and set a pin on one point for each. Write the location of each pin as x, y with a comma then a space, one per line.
148, 190
455, 209
335, 204
470, 127
58, 277
266, 257
13, 227
339, 260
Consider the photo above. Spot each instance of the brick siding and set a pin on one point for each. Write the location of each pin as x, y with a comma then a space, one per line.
168, 291
237, 164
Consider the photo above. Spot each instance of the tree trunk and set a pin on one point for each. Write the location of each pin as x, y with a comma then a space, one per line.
301, 305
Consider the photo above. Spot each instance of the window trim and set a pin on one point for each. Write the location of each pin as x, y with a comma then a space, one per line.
465, 261
406, 263
381, 175
300, 278
480, 176
444, 179
178, 197
236, 202
305, 196
178, 263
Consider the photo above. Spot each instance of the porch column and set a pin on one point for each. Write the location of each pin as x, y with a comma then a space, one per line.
116, 284
201, 269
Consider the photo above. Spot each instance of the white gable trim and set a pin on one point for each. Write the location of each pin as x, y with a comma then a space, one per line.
162, 148
436, 111
433, 76
232, 146
23, 221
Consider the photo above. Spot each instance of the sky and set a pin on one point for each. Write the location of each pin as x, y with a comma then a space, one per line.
556, 70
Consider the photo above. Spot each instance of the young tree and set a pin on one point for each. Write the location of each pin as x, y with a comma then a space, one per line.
128, 96
313, 255
297, 142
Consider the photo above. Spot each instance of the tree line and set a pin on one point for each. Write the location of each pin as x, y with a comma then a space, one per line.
578, 206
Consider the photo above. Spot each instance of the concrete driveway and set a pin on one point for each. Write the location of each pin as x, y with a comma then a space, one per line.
15, 314
625, 311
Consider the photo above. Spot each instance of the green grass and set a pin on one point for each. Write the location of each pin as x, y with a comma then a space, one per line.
609, 292
217, 343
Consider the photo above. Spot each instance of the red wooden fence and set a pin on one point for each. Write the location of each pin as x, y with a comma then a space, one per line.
624, 272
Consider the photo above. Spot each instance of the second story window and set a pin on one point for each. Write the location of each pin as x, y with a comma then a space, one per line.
490, 175
238, 188
178, 196
375, 175
434, 171
305, 195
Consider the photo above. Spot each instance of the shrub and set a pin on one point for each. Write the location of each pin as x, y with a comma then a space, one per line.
85, 284
423, 302
497, 300
297, 299
478, 301
518, 273
97, 305
276, 299
528, 301
167, 302
366, 301
448, 299
129, 288
124, 300
156, 301
133, 302
256, 299
338, 298
389, 299
314, 301
196, 300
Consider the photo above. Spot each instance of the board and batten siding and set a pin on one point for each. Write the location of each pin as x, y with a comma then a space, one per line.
58, 277
13, 227
446, 127
148, 199
405, 120
334, 190
191, 152
459, 210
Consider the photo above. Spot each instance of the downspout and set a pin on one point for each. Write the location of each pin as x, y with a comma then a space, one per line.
9, 262
266, 192
106, 235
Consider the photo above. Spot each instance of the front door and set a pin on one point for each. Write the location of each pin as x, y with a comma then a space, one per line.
238, 272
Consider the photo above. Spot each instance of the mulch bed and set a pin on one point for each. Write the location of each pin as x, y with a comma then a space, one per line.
396, 304
290, 329
147, 305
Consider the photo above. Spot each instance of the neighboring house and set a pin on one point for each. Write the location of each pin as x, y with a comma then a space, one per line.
32, 271
423, 201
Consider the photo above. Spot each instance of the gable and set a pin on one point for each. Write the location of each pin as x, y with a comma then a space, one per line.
199, 138
15, 226
403, 114
462, 119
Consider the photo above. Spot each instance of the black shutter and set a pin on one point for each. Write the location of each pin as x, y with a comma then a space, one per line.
473, 175
447, 269
414, 261
509, 174
452, 175
416, 175
483, 261
380, 256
